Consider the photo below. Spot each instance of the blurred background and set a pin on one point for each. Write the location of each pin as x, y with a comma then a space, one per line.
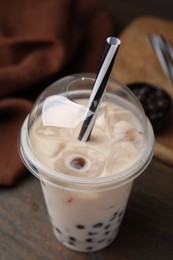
125, 10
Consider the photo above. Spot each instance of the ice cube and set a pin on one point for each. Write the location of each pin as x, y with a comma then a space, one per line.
61, 112
120, 129
101, 121
120, 121
122, 156
55, 133
48, 141
130, 151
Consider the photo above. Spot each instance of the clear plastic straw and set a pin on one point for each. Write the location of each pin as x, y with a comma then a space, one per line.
99, 88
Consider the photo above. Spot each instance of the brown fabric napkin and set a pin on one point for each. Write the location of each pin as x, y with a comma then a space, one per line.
41, 41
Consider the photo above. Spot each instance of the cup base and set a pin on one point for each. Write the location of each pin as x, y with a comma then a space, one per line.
85, 247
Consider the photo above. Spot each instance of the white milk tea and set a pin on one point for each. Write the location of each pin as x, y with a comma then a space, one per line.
86, 185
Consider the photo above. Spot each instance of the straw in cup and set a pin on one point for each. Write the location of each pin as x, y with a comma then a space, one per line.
99, 88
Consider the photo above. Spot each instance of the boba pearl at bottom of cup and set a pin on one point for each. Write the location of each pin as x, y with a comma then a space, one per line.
91, 237
85, 221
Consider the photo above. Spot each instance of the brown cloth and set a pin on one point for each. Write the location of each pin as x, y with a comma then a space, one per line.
41, 41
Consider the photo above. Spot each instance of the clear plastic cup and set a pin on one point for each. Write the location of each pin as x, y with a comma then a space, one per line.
85, 212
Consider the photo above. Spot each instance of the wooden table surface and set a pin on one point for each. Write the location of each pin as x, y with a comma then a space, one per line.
146, 231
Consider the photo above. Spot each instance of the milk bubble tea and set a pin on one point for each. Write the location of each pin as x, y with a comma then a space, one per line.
88, 220
85, 221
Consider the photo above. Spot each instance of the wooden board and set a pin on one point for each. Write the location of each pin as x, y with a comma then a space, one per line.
137, 62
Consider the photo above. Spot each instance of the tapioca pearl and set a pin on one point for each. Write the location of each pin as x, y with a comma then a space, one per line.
89, 248
89, 240
120, 216
58, 230
107, 233
80, 226
92, 233
101, 241
71, 243
113, 217
98, 225
72, 239
107, 226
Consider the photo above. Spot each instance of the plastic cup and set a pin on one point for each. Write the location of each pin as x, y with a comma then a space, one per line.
85, 212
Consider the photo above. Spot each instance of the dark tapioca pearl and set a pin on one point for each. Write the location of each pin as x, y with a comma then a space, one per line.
89, 248
153, 116
72, 239
154, 101
152, 108
120, 214
98, 225
140, 97
161, 104
106, 233
113, 216
143, 91
71, 243
92, 233
80, 226
101, 241
106, 227
58, 230
89, 240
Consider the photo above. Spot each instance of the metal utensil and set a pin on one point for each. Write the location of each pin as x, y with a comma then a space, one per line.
164, 53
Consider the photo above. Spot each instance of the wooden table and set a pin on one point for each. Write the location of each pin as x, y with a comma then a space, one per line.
146, 232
